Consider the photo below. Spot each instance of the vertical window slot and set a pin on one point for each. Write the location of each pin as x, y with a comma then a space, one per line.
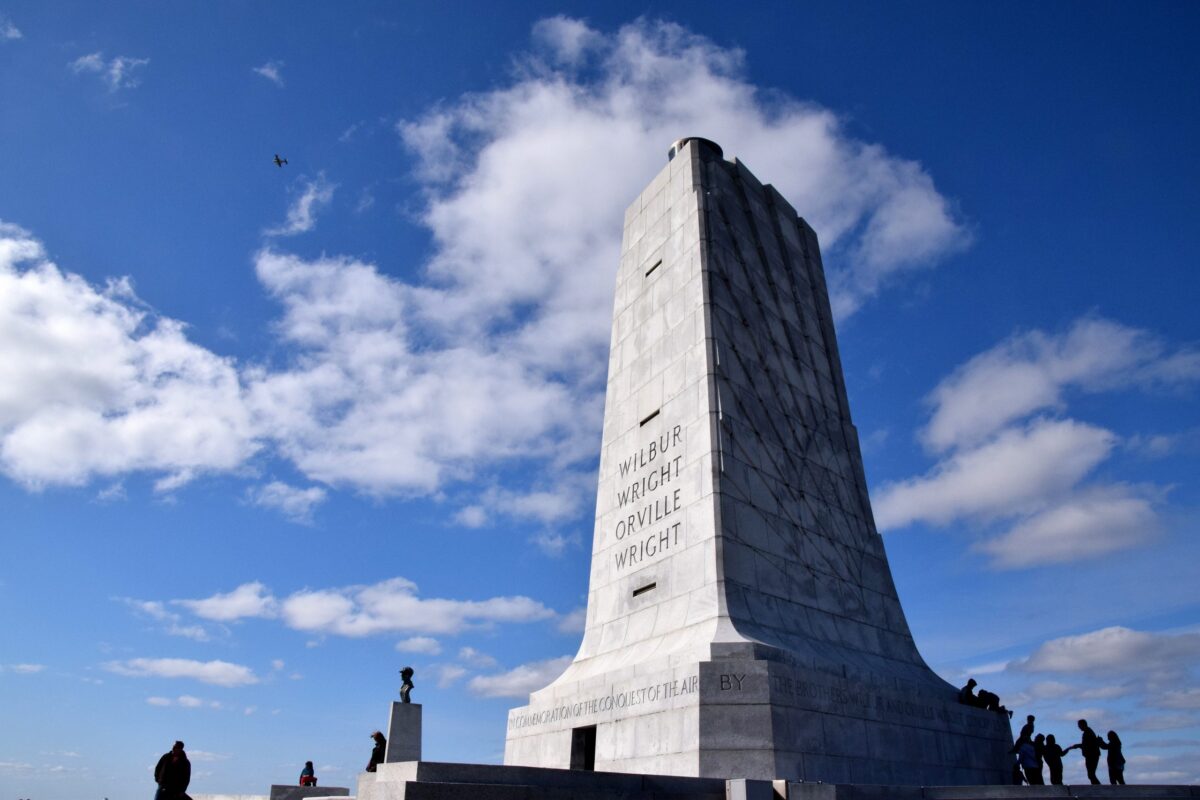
651, 416
648, 587
656, 265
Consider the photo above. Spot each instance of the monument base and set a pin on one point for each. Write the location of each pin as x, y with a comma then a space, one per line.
439, 781
763, 720
403, 733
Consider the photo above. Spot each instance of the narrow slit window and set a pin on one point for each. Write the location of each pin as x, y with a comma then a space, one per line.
656, 265
648, 587
649, 417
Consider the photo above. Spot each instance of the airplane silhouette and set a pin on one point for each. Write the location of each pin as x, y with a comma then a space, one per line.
279, 162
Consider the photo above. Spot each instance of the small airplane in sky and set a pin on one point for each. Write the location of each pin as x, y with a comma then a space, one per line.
279, 162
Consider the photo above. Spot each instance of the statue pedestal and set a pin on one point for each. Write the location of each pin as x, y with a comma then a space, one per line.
404, 733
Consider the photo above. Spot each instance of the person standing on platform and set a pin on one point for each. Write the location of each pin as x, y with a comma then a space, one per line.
173, 773
1030, 766
1116, 759
1089, 745
1052, 754
378, 752
308, 776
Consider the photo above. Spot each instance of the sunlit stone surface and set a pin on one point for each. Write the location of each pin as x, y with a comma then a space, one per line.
742, 621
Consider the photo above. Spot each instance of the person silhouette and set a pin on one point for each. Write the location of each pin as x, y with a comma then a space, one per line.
308, 776
1089, 745
1026, 734
1030, 764
1116, 759
966, 695
1052, 754
378, 752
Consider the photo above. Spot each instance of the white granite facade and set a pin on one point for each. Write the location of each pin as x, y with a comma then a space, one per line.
742, 620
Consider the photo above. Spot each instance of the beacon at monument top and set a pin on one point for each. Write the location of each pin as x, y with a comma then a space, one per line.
742, 621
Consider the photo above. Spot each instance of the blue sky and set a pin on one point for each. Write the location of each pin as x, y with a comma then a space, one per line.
267, 435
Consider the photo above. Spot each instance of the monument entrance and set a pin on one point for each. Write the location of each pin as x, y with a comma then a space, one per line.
742, 621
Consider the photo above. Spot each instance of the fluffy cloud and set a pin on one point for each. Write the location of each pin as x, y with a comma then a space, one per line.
218, 673
393, 605
390, 606
1090, 524
472, 657
272, 71
183, 701
247, 600
574, 621
8, 31
497, 353
1030, 372
419, 644
997, 465
302, 214
293, 502
95, 385
119, 72
170, 622
520, 681
1020, 470
1115, 650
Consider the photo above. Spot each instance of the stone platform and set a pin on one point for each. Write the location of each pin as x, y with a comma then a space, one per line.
425, 780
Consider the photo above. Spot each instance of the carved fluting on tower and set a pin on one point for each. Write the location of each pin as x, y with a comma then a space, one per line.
742, 620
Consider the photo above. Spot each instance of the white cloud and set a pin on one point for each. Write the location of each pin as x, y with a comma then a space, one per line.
302, 214
159, 701
520, 681
247, 600
293, 502
498, 352
8, 31
277, 664
1114, 650
473, 658
473, 516
120, 72
568, 40
419, 644
170, 622
272, 71
22, 669
218, 673
1030, 372
1188, 698
573, 621
1090, 524
1166, 722
97, 386
1020, 470
446, 675
393, 605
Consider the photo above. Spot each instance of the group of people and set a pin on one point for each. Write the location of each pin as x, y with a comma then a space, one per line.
1034, 751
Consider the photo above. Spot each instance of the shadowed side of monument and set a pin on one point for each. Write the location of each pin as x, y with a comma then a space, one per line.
742, 619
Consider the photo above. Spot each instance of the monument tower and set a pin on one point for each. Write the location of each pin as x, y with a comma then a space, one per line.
742, 621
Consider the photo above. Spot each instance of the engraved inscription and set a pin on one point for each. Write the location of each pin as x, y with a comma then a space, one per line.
732, 682
649, 495
654, 693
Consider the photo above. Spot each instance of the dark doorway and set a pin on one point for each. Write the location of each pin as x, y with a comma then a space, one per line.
583, 748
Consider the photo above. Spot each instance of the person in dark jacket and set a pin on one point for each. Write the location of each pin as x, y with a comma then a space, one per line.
1052, 754
308, 776
378, 752
1031, 765
1089, 745
1116, 760
173, 773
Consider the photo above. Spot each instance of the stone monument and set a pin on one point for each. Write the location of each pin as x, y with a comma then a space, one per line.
742, 621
